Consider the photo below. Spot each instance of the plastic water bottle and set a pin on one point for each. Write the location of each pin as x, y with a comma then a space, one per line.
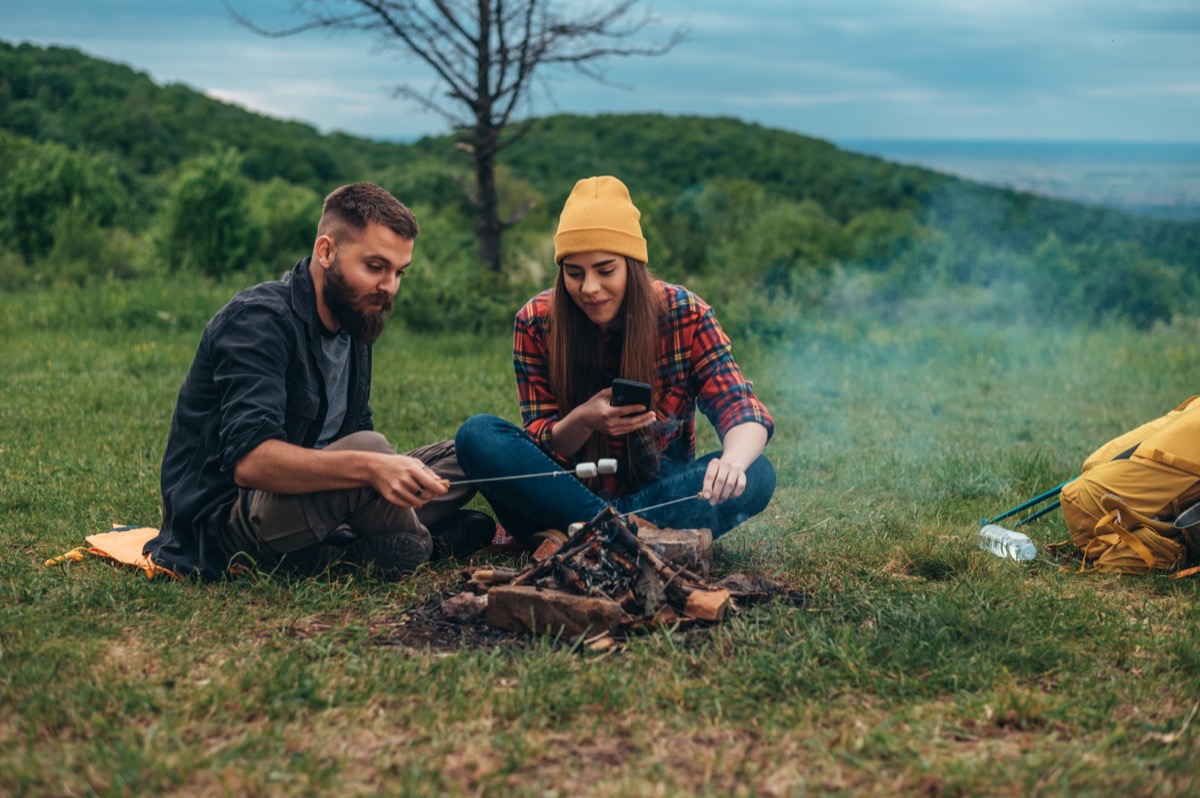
1006, 543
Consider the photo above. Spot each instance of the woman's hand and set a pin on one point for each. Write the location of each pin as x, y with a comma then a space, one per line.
597, 415
600, 414
723, 481
726, 476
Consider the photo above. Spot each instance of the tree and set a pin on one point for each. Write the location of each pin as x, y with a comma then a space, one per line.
485, 55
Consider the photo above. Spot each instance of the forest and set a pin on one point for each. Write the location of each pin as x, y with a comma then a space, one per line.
107, 176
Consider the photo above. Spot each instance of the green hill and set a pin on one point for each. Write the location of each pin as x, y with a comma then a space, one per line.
89, 148
63, 95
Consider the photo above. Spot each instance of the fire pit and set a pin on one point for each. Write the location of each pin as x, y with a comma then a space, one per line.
606, 579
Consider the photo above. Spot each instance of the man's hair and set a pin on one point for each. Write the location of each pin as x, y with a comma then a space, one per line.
352, 207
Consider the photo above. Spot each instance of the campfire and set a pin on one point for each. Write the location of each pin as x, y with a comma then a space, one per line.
612, 576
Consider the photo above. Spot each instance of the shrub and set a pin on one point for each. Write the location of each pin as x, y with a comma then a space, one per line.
876, 238
448, 289
207, 225
49, 179
285, 216
83, 250
1122, 282
1097, 283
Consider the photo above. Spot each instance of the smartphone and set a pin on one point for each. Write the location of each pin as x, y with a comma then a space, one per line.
630, 392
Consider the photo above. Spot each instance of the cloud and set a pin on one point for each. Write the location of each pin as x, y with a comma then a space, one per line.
1027, 68
784, 99
1187, 90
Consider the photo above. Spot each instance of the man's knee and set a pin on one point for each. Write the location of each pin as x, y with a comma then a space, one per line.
363, 441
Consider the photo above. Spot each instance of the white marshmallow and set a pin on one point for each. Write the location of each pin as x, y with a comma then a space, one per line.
585, 470
607, 465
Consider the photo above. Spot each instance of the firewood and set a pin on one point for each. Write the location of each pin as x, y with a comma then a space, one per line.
707, 605
493, 576
605, 578
551, 611
547, 549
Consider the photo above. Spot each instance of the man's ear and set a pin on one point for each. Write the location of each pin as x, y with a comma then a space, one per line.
324, 250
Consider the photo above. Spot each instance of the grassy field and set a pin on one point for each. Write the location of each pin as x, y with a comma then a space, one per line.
919, 664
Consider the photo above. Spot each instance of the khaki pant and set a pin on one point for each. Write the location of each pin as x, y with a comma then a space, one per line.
268, 525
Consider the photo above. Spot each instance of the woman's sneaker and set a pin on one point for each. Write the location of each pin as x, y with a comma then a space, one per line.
504, 543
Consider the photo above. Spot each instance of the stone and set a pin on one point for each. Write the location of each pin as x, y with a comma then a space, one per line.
465, 608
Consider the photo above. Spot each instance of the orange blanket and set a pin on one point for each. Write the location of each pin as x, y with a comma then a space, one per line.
122, 544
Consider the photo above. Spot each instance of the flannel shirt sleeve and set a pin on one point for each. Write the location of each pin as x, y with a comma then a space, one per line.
539, 408
725, 397
250, 372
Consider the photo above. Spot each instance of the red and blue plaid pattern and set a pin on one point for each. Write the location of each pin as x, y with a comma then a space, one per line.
695, 368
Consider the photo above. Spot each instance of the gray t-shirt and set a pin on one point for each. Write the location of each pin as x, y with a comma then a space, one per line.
335, 368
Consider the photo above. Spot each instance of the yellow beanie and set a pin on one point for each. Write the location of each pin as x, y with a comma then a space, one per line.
600, 216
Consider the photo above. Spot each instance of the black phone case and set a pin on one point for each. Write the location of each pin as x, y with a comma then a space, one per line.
630, 392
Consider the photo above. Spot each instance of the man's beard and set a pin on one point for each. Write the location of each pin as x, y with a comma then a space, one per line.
363, 317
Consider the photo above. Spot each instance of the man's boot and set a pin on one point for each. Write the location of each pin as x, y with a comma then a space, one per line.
461, 534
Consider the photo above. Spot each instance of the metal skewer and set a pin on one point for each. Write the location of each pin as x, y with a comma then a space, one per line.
582, 470
664, 504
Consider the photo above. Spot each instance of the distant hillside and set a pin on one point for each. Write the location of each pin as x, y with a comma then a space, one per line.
661, 155
63, 95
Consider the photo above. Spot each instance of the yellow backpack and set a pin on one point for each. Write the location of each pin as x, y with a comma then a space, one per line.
1120, 510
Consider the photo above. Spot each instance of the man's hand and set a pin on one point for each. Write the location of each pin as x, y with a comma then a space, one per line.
282, 467
405, 481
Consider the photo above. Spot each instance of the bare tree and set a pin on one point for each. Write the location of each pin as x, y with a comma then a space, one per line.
485, 54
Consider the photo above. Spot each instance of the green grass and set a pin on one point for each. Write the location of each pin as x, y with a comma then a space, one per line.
919, 664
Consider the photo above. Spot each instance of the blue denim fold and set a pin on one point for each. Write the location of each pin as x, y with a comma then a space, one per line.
488, 447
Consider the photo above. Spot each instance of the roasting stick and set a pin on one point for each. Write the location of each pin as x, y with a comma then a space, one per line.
664, 504
582, 470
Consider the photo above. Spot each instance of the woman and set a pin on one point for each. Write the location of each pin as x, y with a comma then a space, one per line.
606, 317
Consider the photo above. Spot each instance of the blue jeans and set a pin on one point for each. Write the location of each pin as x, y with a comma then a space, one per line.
488, 447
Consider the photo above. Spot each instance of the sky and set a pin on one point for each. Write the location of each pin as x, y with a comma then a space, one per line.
1029, 70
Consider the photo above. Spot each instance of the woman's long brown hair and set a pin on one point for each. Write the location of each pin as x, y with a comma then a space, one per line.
576, 347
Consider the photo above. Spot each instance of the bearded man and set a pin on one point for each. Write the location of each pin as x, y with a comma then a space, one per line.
271, 457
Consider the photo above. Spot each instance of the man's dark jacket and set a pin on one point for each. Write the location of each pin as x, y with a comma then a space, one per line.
254, 378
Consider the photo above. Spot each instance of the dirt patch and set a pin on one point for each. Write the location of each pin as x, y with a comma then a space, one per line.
427, 626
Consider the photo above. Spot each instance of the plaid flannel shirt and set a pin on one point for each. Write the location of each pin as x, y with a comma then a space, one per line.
695, 367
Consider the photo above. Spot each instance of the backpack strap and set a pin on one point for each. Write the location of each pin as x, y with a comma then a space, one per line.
1110, 529
1173, 460
1112, 502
